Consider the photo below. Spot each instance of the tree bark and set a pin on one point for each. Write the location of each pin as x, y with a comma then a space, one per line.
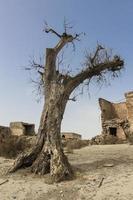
47, 156
52, 158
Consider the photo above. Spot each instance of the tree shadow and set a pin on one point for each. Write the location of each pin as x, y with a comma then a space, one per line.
99, 164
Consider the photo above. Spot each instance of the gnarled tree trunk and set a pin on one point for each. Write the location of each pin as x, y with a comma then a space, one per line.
52, 158
47, 155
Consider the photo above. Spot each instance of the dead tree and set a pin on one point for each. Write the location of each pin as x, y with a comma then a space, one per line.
47, 155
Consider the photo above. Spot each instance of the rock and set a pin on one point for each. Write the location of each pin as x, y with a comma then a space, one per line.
108, 165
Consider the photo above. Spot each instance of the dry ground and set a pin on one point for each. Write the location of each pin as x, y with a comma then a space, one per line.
110, 165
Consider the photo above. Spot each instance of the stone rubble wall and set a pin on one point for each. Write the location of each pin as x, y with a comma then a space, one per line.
129, 104
114, 115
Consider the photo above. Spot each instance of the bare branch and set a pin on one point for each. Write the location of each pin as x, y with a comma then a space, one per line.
52, 31
48, 29
73, 46
37, 80
97, 64
65, 38
101, 65
34, 65
67, 25
40, 73
99, 48
72, 99
38, 88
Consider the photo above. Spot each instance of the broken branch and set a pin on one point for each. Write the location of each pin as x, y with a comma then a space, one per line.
101, 182
4, 182
99, 48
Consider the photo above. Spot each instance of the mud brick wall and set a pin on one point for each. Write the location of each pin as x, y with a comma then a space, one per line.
112, 115
69, 135
129, 103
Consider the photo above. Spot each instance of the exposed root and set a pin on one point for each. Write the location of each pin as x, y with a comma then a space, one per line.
43, 162
27, 159
23, 160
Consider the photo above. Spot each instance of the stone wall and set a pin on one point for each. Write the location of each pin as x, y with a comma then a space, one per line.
107, 109
120, 110
21, 128
129, 104
113, 118
113, 110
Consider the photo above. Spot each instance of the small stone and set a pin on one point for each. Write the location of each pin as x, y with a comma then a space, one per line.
108, 165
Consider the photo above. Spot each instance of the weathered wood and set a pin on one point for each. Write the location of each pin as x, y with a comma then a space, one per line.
4, 182
101, 182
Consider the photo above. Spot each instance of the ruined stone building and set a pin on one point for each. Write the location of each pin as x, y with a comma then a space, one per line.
17, 128
117, 118
22, 128
69, 135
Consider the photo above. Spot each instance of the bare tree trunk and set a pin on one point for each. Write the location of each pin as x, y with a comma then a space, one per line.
47, 155
52, 159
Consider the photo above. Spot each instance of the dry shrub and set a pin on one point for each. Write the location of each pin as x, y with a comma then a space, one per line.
110, 139
106, 139
14, 145
74, 144
130, 139
69, 149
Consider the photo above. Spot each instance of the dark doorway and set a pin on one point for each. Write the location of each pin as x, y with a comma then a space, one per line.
113, 131
29, 129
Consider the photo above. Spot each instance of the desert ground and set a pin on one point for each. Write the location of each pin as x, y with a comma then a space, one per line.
103, 172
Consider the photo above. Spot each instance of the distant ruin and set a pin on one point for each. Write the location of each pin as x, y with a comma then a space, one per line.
17, 128
70, 135
22, 128
117, 118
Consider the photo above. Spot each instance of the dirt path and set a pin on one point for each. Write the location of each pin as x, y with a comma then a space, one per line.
103, 173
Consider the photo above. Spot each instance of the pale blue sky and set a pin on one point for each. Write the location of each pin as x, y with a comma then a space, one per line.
21, 22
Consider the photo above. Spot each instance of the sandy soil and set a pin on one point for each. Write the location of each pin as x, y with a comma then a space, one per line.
103, 173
